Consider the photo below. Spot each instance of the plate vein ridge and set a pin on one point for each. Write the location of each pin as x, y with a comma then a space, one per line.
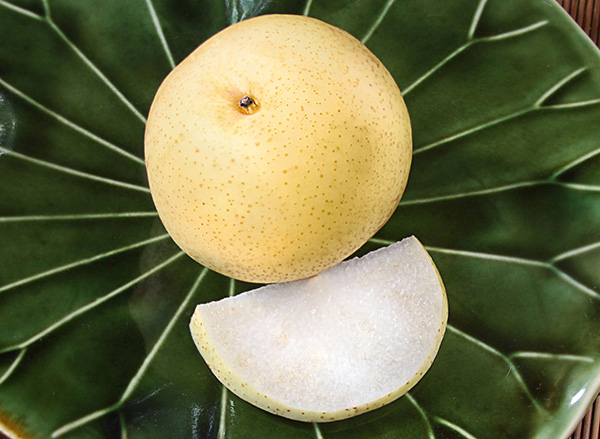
307, 7
73, 172
21, 10
454, 427
135, 380
470, 41
91, 305
318, 433
223, 409
377, 21
163, 336
423, 413
536, 106
90, 64
552, 356
161, 35
71, 124
13, 366
512, 368
76, 216
476, 19
81, 262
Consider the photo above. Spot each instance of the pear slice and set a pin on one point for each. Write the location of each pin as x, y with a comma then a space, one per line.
344, 342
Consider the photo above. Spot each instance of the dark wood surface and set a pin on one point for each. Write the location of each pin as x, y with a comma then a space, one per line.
587, 14
589, 428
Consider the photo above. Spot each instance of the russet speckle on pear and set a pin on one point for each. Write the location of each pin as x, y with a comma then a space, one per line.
277, 148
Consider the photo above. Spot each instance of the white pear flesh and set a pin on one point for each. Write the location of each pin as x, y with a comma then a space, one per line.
333, 346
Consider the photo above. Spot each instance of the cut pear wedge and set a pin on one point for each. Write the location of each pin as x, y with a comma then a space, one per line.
344, 342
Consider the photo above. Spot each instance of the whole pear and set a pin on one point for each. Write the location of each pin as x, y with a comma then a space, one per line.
277, 148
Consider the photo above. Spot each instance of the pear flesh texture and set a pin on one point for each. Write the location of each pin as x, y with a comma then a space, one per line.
341, 343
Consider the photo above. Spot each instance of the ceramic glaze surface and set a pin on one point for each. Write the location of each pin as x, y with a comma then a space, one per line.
504, 192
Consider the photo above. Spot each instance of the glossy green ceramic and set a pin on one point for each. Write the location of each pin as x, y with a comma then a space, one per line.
95, 299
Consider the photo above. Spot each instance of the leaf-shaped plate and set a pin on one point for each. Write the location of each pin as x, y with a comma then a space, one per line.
504, 97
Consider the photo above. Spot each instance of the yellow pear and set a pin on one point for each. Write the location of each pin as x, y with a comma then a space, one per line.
277, 148
341, 343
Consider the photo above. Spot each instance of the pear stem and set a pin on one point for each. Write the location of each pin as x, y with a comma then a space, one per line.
246, 102
248, 105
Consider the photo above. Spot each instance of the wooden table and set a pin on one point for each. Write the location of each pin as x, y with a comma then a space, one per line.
587, 14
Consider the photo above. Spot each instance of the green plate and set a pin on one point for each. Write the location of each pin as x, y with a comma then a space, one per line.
504, 97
